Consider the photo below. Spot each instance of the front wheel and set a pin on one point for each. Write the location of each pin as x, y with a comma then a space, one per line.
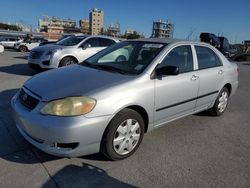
220, 104
66, 61
23, 49
123, 135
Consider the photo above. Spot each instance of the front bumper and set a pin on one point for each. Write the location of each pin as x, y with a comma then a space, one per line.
49, 132
44, 62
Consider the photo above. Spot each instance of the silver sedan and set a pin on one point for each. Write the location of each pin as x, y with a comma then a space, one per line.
109, 101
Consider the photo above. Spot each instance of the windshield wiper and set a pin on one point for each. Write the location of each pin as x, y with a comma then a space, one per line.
111, 68
105, 67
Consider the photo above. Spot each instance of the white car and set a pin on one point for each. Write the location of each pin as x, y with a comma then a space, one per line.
71, 50
1, 48
26, 46
9, 42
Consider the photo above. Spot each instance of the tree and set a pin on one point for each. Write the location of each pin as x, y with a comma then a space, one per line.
134, 35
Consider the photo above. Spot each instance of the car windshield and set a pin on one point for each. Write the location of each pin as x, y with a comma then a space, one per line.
71, 41
128, 57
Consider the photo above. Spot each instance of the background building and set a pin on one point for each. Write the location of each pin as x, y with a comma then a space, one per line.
54, 26
162, 29
84, 26
114, 30
129, 32
96, 21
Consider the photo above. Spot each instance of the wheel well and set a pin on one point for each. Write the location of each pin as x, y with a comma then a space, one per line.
66, 57
229, 87
143, 114
23, 46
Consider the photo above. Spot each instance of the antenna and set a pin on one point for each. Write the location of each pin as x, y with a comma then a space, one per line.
190, 33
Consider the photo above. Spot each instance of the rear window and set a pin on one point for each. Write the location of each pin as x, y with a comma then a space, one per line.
206, 58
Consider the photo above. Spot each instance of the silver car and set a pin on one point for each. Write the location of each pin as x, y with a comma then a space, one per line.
9, 42
71, 50
110, 100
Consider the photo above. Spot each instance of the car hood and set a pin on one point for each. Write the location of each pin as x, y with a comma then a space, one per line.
50, 47
74, 80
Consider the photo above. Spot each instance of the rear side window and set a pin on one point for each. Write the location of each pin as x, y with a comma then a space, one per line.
181, 57
206, 58
105, 42
94, 42
13, 39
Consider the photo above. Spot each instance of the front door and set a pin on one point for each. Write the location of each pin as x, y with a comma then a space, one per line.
176, 96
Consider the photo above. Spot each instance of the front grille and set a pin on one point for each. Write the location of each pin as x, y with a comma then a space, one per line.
35, 54
35, 66
27, 100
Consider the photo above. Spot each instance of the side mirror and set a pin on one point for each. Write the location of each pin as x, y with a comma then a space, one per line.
85, 46
167, 70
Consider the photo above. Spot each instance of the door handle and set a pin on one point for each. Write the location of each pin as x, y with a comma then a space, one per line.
194, 77
220, 72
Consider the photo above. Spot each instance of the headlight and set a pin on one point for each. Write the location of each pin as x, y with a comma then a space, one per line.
71, 106
51, 52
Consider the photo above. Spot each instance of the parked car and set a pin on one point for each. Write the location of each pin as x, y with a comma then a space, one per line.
107, 106
8, 42
47, 42
71, 50
242, 57
54, 42
211, 39
28, 45
224, 46
1, 48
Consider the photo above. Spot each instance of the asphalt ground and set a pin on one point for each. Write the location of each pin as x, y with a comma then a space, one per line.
196, 151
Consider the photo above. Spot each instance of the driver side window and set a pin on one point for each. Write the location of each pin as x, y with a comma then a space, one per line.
181, 57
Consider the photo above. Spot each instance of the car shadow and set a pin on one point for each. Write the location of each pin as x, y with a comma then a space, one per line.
21, 57
84, 176
204, 114
245, 63
96, 157
19, 69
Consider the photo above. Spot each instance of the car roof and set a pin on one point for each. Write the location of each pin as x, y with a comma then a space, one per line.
160, 40
101, 36
171, 41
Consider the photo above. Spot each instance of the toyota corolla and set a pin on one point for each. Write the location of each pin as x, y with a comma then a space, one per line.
106, 103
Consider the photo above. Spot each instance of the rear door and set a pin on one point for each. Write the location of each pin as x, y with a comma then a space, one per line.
210, 72
176, 96
5, 42
34, 43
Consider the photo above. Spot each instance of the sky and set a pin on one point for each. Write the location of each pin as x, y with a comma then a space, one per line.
230, 18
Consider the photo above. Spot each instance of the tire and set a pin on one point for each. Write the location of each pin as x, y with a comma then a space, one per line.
220, 104
66, 61
23, 49
120, 142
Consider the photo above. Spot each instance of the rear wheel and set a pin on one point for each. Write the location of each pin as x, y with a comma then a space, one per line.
67, 61
123, 135
23, 49
220, 104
